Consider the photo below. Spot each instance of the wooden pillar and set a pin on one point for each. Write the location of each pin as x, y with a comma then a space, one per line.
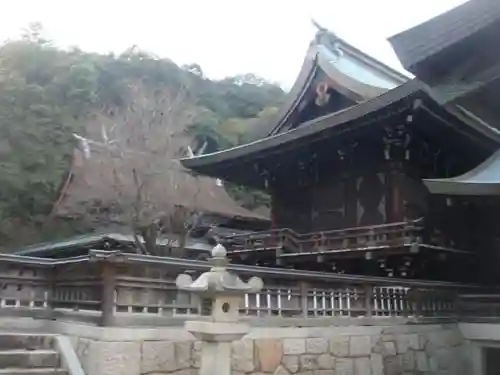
395, 209
108, 280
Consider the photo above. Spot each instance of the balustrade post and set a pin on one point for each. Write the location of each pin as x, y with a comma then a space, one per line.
457, 306
304, 291
50, 296
108, 280
418, 300
369, 300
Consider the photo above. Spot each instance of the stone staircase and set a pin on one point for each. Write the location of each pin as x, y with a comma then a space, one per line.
29, 354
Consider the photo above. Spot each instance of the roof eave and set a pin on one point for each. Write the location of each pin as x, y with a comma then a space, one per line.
297, 91
484, 180
309, 128
418, 44
374, 63
318, 125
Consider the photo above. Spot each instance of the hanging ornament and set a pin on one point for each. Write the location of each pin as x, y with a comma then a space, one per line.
322, 95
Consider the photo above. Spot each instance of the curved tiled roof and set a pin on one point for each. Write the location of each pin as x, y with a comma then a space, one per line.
482, 180
324, 54
310, 128
422, 41
315, 128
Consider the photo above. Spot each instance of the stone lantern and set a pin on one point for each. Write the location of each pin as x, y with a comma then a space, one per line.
222, 292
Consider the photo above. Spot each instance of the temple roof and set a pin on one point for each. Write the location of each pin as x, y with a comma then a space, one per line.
363, 114
375, 92
310, 129
102, 176
482, 180
314, 127
421, 42
80, 245
349, 71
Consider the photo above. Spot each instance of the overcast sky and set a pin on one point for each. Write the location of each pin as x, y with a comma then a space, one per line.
225, 37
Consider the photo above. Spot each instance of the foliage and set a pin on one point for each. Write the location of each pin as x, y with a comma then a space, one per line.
47, 94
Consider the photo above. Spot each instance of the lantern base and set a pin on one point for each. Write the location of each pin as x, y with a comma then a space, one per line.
217, 331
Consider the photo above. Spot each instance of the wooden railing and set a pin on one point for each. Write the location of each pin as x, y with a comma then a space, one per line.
112, 288
481, 307
287, 242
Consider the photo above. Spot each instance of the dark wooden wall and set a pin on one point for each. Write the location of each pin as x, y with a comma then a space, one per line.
356, 200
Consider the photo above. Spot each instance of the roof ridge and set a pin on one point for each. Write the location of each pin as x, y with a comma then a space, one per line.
330, 40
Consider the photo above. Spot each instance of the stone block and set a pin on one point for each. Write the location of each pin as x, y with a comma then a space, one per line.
443, 358
389, 348
359, 346
242, 356
436, 340
387, 337
291, 363
317, 345
406, 342
324, 372
309, 362
294, 346
281, 371
196, 354
393, 366
183, 354
376, 344
158, 356
269, 354
29, 359
326, 362
344, 366
339, 346
453, 337
110, 358
422, 340
362, 366
377, 364
422, 363
433, 365
408, 360
185, 372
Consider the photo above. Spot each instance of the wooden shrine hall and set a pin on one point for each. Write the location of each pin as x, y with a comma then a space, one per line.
362, 165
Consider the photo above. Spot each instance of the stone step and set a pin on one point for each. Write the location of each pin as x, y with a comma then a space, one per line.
33, 371
40, 358
26, 341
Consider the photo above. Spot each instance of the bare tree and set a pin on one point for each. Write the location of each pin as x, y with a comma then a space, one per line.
142, 181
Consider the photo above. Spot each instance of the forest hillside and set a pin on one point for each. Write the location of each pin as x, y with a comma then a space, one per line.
48, 94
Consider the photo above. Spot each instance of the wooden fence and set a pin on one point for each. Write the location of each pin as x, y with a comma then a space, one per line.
113, 288
377, 237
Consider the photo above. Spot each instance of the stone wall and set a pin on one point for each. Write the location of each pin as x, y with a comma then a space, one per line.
354, 350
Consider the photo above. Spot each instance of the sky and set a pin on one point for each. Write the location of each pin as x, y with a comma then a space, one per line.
225, 37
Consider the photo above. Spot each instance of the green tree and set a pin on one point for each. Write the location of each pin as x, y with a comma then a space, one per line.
47, 94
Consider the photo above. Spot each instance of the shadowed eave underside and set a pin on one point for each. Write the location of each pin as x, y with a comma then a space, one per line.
214, 164
484, 180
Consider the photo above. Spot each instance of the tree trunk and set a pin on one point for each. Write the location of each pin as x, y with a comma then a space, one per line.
140, 248
150, 235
